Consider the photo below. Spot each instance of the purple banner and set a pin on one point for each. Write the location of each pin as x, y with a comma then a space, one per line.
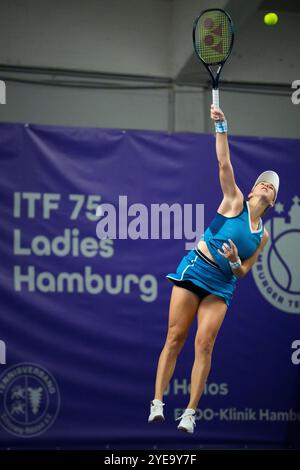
91, 222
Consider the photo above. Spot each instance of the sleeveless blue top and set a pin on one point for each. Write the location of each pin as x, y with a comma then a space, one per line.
239, 230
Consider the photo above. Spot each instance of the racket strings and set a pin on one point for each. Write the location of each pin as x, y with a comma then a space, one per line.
213, 37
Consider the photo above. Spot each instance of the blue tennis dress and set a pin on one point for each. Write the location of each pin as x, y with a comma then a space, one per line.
217, 277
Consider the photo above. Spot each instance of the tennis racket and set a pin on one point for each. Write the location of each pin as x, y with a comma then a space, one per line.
213, 37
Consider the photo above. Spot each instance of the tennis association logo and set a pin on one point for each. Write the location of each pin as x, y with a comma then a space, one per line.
276, 272
29, 400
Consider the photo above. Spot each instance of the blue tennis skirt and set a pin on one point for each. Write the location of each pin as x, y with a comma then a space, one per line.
197, 271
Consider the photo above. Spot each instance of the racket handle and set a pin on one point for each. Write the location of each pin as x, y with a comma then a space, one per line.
215, 97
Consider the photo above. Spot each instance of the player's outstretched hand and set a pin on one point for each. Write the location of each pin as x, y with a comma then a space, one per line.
216, 114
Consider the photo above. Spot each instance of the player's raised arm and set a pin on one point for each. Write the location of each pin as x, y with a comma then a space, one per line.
226, 174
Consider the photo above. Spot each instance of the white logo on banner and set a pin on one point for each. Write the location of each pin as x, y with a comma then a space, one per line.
29, 400
276, 272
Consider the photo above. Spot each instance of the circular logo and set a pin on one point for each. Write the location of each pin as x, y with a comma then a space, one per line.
276, 272
29, 400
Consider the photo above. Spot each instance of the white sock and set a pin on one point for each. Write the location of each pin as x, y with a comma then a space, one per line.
191, 409
156, 401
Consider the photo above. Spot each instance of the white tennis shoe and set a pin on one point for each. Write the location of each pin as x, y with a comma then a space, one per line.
156, 411
187, 422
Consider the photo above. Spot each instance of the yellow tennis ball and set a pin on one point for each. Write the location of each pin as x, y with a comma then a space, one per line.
270, 19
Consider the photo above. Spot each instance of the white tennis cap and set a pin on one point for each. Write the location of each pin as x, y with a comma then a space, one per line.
271, 177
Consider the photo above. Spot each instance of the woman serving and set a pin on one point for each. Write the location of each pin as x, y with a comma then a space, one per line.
206, 277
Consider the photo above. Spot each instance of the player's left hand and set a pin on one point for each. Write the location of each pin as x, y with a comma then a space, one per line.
230, 252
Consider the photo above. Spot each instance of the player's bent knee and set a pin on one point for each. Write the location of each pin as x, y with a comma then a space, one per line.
204, 346
175, 340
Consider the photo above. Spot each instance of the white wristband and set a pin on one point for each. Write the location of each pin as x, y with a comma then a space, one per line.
235, 264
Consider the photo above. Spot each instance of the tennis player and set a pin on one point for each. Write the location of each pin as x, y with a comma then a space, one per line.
206, 277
